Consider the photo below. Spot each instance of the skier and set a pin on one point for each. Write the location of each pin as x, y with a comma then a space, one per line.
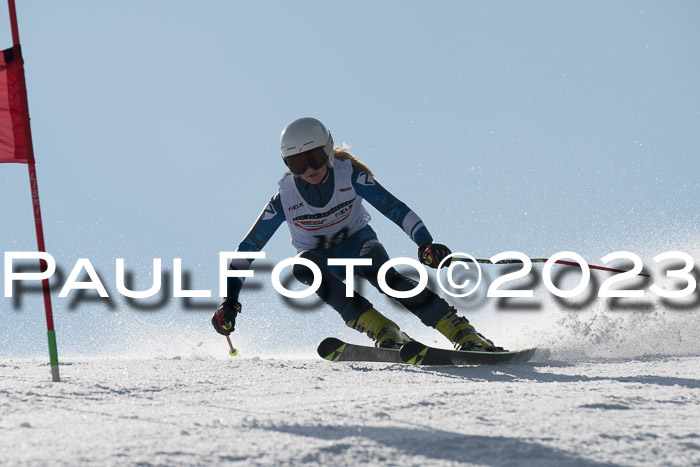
320, 198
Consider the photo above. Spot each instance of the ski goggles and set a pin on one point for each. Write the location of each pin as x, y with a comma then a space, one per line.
314, 158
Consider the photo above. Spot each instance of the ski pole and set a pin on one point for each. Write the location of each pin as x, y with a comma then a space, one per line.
232, 350
543, 260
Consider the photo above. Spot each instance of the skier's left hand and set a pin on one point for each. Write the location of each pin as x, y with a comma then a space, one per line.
432, 253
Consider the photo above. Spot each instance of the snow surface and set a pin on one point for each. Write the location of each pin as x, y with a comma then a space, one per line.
268, 411
621, 387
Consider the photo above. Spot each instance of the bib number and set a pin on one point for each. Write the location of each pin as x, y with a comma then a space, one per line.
324, 243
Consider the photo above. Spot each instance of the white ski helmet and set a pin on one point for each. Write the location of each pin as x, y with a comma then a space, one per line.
304, 134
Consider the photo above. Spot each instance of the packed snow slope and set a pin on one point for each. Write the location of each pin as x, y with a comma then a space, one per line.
252, 411
621, 387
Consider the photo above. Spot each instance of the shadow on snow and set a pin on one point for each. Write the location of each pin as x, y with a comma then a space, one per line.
529, 372
443, 445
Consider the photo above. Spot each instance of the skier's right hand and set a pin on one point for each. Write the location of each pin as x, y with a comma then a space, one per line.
432, 254
224, 319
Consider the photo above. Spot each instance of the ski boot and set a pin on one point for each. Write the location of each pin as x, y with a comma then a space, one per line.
385, 333
462, 334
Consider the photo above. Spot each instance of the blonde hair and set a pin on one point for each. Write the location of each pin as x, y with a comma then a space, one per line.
344, 153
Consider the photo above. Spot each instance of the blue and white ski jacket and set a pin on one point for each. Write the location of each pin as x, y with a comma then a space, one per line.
362, 187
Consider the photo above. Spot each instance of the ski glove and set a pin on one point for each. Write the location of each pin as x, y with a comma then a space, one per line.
432, 253
224, 319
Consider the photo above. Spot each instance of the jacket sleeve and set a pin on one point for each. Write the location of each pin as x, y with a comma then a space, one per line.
368, 188
267, 223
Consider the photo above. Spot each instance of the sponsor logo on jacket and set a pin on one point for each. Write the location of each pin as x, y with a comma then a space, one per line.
295, 207
269, 212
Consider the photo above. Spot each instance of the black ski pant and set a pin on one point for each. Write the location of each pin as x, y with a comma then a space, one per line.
427, 305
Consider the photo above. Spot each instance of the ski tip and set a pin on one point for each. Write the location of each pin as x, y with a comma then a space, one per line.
413, 352
331, 348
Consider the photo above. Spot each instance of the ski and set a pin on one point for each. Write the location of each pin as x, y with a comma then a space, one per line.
336, 350
416, 353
